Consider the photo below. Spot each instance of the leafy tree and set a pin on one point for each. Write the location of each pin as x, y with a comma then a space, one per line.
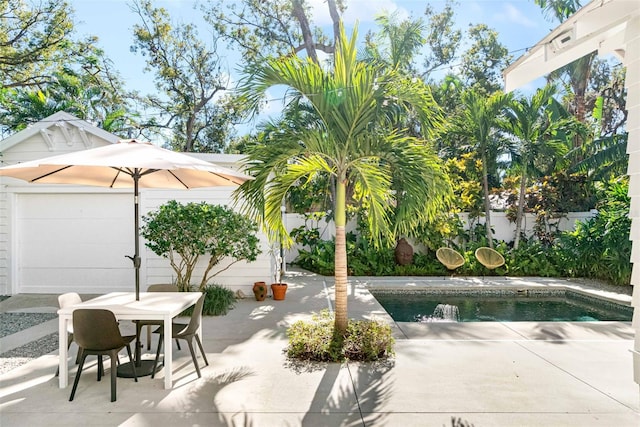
443, 40
350, 139
95, 96
483, 62
466, 178
604, 154
275, 28
478, 125
607, 98
33, 36
45, 69
535, 122
189, 78
184, 233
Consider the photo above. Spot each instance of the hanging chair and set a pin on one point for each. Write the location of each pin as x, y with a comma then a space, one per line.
490, 258
449, 258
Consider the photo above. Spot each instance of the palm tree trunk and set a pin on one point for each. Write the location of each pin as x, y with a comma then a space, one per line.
487, 202
523, 188
340, 260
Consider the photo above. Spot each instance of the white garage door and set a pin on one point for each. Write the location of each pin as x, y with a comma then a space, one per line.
74, 242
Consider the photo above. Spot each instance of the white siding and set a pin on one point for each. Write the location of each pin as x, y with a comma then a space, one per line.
69, 238
4, 240
632, 83
241, 275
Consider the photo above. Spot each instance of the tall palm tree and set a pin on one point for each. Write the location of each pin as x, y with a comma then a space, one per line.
353, 139
534, 122
478, 124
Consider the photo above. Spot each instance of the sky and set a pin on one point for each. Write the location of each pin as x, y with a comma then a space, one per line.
519, 23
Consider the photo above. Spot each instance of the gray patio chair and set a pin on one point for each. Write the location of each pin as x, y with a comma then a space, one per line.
187, 333
97, 332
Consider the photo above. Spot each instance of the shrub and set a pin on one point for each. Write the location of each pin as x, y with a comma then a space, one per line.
599, 247
532, 258
218, 300
365, 340
184, 233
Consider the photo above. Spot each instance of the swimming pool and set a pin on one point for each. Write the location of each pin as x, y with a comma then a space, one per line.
499, 306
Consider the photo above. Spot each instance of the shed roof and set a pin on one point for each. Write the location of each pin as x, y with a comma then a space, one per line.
62, 120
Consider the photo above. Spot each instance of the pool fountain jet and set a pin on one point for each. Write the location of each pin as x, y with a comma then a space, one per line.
445, 313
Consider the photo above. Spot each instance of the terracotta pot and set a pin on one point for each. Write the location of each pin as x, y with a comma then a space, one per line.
260, 290
278, 291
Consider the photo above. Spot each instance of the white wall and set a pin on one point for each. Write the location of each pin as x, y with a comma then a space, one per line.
240, 275
503, 228
56, 239
632, 84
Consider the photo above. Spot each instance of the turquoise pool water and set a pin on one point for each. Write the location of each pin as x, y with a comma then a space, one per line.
499, 307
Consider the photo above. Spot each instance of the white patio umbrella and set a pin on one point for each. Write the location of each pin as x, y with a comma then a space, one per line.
126, 164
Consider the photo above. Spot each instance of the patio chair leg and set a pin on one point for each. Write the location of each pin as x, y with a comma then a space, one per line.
133, 365
75, 381
155, 362
204, 356
100, 368
114, 368
194, 357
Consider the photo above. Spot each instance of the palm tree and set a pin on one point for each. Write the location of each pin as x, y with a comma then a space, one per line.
397, 42
353, 139
577, 72
478, 125
534, 122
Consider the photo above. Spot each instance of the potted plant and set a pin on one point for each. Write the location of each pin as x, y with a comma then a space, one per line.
278, 289
260, 290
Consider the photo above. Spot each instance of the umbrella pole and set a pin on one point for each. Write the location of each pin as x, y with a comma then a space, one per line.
143, 367
136, 256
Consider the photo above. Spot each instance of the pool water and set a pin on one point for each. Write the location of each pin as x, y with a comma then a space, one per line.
567, 307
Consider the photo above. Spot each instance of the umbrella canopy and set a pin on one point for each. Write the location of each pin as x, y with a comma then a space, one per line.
126, 164
123, 164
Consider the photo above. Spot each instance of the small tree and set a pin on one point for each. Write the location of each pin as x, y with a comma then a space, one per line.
184, 233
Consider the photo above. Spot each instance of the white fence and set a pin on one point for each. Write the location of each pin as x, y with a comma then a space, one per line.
503, 228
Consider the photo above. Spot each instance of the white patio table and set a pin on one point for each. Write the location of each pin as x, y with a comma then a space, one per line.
151, 306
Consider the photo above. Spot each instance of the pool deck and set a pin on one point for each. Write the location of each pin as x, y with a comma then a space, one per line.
484, 374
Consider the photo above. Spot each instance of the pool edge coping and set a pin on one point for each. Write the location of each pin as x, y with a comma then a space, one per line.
490, 283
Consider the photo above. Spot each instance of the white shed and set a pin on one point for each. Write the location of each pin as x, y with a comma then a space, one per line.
60, 238
608, 27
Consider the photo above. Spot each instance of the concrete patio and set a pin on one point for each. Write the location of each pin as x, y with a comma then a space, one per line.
485, 374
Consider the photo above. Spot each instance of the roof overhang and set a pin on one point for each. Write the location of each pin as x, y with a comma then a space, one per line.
64, 121
599, 26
